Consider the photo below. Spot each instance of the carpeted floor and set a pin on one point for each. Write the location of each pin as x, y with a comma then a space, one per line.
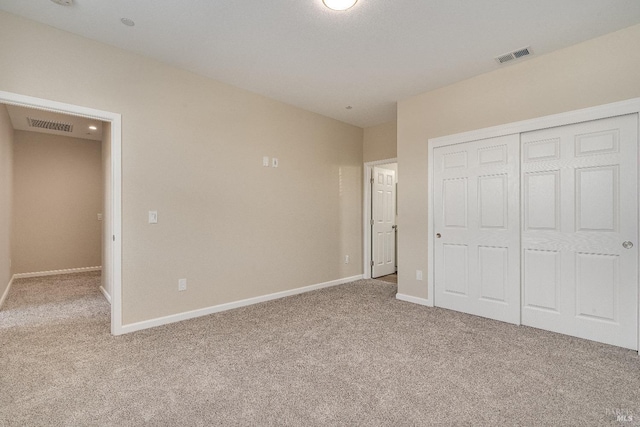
348, 355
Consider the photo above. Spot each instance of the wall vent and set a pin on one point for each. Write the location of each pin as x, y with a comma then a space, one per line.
49, 124
501, 59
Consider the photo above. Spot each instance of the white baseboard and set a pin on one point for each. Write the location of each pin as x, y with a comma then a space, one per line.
421, 301
6, 292
56, 272
105, 293
146, 324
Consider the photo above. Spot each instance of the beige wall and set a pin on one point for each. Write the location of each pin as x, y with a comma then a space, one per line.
192, 149
6, 186
596, 72
57, 196
380, 142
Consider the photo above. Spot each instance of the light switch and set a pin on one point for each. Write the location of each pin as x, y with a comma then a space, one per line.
99, 217
265, 161
153, 217
274, 162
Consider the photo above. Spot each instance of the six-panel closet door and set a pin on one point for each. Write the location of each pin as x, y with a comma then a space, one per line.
476, 216
541, 228
580, 230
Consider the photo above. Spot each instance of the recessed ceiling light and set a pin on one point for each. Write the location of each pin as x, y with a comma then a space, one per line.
348, 107
128, 22
339, 4
93, 128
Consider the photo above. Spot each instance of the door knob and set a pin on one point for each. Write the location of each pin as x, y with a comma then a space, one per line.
627, 245
438, 235
394, 227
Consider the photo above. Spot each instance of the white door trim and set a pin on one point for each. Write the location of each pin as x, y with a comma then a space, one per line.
366, 214
631, 106
116, 184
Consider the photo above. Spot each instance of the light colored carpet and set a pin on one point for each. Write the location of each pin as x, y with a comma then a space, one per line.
348, 355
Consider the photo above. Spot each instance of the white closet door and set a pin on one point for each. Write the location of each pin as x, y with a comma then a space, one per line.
580, 230
476, 219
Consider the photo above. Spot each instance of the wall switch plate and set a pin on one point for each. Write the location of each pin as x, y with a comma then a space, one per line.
274, 162
153, 217
99, 217
182, 284
265, 161
418, 274
346, 259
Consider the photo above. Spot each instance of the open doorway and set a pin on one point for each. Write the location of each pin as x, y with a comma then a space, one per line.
109, 213
57, 193
380, 220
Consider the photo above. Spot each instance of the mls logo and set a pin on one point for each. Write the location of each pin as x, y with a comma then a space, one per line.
622, 415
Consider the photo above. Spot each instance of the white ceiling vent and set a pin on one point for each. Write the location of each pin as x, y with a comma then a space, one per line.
501, 59
50, 124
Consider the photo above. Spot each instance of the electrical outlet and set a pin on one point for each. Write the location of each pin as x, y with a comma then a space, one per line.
153, 217
182, 284
274, 162
346, 259
418, 274
265, 161
100, 217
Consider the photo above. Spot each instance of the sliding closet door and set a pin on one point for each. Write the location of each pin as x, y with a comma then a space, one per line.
476, 219
580, 230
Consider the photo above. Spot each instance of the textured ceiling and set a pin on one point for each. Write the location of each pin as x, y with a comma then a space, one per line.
301, 53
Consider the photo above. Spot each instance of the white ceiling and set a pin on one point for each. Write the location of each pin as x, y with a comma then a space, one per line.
80, 125
301, 53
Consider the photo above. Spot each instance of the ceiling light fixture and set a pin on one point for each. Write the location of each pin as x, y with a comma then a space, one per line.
128, 22
93, 128
339, 4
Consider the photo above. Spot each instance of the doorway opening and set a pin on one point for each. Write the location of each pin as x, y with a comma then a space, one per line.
380, 220
111, 178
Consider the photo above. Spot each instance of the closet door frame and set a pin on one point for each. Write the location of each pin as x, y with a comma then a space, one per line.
631, 106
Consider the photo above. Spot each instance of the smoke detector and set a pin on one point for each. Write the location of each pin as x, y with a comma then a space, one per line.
128, 22
63, 2
516, 54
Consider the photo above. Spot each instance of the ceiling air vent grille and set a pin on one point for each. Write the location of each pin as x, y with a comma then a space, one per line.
49, 124
513, 55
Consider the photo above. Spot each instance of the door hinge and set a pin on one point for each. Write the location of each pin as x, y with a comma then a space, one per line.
371, 263
114, 237
371, 222
371, 180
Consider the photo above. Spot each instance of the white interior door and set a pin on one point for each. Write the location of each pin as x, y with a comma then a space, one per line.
476, 223
580, 206
383, 245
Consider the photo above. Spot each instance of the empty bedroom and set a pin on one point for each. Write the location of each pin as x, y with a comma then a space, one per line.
320, 212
